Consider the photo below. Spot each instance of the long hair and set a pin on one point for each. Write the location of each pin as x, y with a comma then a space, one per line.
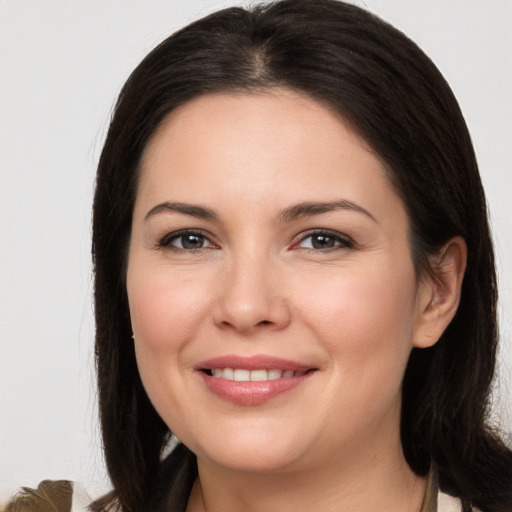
396, 99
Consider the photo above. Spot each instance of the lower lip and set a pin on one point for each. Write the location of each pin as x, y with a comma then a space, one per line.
252, 393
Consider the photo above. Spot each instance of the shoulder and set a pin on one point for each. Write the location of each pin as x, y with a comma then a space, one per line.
50, 496
447, 503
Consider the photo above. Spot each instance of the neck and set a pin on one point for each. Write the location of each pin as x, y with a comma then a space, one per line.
372, 481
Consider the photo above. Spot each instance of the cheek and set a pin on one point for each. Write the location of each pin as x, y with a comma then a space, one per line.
165, 307
364, 316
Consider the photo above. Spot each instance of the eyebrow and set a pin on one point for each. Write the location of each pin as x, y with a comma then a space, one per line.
311, 208
296, 211
188, 209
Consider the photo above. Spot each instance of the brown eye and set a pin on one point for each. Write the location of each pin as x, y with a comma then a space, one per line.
189, 242
324, 241
186, 241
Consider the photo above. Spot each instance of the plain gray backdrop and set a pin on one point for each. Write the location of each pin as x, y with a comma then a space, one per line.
62, 64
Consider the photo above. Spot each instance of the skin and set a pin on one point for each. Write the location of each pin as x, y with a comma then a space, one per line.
256, 285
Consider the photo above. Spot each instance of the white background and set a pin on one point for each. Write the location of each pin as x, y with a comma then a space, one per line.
61, 65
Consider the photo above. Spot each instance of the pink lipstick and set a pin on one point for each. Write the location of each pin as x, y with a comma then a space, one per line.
252, 380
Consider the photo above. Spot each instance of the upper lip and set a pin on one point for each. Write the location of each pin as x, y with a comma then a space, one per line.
252, 363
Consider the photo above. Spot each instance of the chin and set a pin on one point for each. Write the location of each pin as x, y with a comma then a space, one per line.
255, 459
249, 450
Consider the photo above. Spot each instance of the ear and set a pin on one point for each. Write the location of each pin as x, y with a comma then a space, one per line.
439, 292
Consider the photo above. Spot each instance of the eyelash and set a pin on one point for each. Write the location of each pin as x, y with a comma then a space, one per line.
166, 241
341, 241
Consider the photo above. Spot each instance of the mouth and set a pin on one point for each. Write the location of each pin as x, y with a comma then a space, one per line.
258, 375
252, 380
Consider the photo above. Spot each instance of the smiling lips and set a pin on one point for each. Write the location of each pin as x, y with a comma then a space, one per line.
241, 375
252, 380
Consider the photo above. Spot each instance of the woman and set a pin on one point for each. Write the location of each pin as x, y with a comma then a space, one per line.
294, 274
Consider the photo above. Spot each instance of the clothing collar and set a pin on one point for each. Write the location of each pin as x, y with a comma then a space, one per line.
430, 499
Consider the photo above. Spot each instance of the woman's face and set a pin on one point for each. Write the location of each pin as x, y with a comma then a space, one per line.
273, 298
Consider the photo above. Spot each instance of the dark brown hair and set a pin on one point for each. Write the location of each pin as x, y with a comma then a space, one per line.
394, 96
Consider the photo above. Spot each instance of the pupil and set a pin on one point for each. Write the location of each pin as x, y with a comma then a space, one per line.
323, 242
192, 241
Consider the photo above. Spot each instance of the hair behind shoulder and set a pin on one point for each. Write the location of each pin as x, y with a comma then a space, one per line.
394, 96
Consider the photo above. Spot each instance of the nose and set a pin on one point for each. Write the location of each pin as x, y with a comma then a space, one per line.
251, 297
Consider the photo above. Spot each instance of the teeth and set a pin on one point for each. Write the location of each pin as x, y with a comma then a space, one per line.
241, 375
228, 373
274, 374
258, 375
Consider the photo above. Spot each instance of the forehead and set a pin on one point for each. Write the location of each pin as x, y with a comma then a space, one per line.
269, 147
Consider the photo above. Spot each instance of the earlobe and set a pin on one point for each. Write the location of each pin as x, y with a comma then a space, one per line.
439, 294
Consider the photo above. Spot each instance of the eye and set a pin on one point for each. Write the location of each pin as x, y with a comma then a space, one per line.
324, 240
186, 240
